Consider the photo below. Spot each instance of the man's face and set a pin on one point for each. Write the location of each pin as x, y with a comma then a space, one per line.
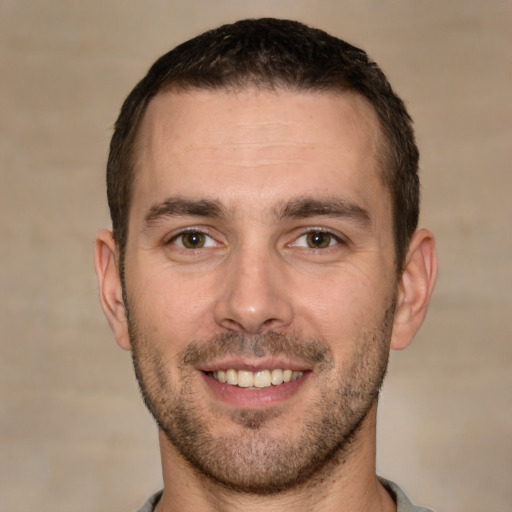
260, 278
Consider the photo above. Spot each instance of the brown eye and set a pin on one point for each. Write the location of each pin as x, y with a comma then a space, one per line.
193, 240
318, 240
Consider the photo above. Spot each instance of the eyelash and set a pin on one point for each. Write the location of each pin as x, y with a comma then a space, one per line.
208, 239
316, 231
183, 233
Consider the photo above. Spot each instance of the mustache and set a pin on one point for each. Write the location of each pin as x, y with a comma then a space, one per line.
237, 344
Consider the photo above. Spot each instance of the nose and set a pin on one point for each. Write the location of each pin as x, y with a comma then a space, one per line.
254, 296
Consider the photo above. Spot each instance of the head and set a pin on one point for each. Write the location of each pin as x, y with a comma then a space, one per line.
272, 54
264, 195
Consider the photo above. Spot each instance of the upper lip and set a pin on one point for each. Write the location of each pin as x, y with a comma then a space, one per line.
253, 364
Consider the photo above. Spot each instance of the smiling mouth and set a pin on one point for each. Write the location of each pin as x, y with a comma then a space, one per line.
260, 379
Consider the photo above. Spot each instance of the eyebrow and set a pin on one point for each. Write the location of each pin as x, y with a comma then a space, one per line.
176, 206
300, 208
331, 207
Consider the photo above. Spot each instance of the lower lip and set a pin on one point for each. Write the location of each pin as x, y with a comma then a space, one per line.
251, 398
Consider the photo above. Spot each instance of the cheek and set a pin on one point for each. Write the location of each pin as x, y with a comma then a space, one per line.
170, 306
340, 311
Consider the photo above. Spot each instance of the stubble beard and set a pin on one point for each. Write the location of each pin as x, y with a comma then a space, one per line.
259, 456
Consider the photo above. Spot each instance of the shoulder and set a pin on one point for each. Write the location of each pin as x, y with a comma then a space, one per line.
403, 504
149, 505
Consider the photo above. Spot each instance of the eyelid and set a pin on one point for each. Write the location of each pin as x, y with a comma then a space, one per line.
340, 240
191, 229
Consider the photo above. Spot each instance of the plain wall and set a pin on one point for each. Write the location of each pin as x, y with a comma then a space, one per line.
74, 434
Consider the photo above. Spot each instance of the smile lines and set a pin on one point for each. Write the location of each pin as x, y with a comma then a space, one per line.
259, 379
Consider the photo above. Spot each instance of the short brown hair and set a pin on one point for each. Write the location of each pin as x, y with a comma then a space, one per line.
271, 53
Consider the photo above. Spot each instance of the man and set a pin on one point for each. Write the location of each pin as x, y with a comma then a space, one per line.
264, 258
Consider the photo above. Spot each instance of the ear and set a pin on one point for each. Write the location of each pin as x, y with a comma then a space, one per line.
110, 289
414, 289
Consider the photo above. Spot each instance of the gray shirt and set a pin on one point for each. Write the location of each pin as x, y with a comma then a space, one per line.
402, 502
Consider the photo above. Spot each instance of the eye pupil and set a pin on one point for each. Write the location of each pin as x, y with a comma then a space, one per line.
193, 240
318, 240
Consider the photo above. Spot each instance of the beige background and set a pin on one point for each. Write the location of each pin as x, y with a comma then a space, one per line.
74, 435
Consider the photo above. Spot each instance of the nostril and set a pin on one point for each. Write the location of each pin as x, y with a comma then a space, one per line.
248, 326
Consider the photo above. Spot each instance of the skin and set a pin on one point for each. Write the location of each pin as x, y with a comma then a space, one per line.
257, 155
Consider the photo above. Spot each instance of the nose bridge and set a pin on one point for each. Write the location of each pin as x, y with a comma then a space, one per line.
254, 297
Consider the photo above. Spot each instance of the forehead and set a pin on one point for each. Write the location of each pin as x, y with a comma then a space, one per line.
196, 110
256, 140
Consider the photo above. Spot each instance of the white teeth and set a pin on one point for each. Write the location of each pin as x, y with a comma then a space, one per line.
245, 379
277, 377
232, 377
261, 379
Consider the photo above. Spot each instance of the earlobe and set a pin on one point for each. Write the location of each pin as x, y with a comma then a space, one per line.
110, 288
414, 289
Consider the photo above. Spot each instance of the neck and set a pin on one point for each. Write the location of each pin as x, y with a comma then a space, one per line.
347, 484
